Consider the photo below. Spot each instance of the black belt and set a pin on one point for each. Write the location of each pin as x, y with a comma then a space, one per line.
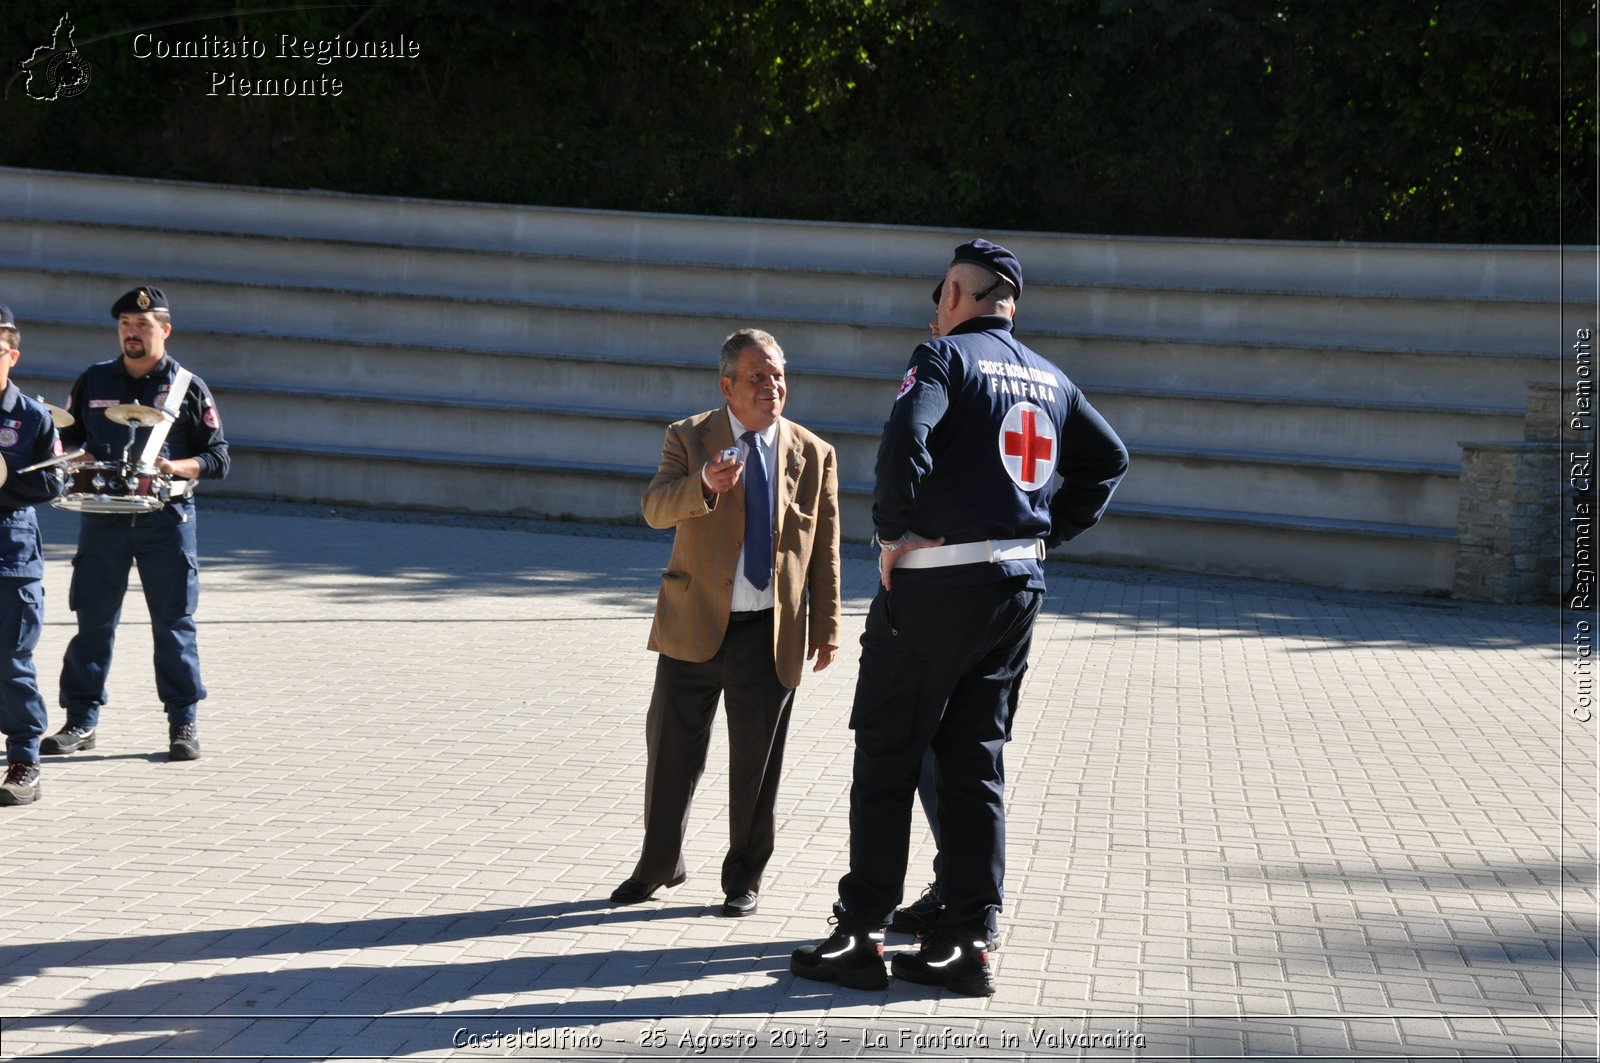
749, 615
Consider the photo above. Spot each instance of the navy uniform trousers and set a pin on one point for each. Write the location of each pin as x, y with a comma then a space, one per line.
162, 544
22, 708
941, 668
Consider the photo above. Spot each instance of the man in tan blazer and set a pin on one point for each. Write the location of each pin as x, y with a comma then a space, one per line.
751, 592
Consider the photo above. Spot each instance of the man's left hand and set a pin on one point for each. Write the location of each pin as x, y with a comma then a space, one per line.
823, 653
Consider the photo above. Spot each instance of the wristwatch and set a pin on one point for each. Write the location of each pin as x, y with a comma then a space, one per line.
894, 545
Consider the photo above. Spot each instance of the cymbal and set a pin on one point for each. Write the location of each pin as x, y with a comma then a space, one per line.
131, 413
61, 417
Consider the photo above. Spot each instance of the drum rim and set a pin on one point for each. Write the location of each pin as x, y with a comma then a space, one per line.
80, 502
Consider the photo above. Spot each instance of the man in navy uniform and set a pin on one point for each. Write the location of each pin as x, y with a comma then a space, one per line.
965, 505
161, 543
27, 436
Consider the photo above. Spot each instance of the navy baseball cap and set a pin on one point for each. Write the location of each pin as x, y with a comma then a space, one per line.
141, 300
6, 320
992, 257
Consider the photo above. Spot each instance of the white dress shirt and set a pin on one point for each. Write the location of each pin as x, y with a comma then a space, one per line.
745, 595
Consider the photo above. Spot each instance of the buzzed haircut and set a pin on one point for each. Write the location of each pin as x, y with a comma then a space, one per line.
975, 279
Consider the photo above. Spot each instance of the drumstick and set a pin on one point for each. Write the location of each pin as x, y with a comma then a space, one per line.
80, 452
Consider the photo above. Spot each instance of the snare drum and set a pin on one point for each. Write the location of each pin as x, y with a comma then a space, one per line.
113, 487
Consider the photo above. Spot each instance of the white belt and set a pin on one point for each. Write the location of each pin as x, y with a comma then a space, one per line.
973, 553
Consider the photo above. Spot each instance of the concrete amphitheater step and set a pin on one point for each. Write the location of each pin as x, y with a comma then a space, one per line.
1356, 555
374, 322
1386, 492
427, 480
661, 388
1349, 269
591, 435
293, 314
1332, 369
839, 294
1393, 431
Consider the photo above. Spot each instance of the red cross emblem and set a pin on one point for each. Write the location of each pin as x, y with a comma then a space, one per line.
1028, 446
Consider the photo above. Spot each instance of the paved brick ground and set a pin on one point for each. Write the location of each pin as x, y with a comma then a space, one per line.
1247, 821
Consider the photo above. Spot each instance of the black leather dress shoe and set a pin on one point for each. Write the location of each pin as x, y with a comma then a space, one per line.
637, 891
739, 904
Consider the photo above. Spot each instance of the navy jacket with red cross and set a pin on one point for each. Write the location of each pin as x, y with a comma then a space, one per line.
988, 440
197, 432
27, 437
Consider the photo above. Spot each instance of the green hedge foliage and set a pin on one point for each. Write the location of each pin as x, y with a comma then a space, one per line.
1390, 120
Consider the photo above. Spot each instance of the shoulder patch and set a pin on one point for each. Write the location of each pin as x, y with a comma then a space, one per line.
907, 384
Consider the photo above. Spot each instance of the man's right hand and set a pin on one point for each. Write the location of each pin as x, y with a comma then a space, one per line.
720, 476
887, 559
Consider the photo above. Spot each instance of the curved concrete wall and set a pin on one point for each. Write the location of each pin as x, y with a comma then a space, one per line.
1295, 410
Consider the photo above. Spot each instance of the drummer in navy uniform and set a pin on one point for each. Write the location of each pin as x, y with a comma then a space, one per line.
27, 437
162, 542
966, 503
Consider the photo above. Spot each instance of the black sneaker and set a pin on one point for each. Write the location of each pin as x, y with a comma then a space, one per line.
957, 960
184, 739
22, 784
852, 957
69, 739
920, 916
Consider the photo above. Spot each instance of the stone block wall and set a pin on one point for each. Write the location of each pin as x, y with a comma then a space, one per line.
1517, 502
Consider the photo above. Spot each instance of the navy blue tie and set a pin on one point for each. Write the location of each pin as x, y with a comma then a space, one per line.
757, 517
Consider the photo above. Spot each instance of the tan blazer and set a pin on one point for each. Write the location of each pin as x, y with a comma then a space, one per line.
697, 586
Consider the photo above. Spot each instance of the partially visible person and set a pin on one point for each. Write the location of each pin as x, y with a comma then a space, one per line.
922, 915
966, 504
27, 437
161, 543
750, 592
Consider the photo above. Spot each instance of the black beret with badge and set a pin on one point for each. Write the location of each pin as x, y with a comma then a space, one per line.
992, 257
142, 300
